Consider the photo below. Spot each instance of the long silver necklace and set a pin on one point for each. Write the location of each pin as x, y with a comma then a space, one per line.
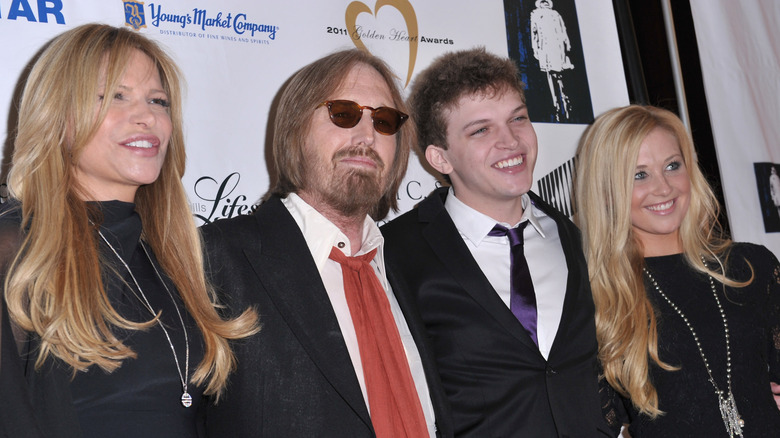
726, 402
186, 398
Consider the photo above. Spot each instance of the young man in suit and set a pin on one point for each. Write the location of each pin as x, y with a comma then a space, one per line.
517, 355
340, 352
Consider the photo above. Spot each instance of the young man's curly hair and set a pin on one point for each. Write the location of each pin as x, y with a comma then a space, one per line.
450, 77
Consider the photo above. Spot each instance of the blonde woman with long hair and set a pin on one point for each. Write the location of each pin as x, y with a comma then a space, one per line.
117, 331
688, 322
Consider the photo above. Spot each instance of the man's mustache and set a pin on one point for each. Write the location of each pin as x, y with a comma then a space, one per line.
360, 151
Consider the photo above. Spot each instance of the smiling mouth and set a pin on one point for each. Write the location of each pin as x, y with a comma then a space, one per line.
661, 207
143, 144
511, 162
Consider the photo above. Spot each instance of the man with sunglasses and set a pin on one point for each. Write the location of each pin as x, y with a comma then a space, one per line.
507, 305
341, 352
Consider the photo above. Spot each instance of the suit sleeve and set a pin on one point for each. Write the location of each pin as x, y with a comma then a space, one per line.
219, 256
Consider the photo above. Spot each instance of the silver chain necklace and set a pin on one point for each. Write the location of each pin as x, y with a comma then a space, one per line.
186, 398
726, 402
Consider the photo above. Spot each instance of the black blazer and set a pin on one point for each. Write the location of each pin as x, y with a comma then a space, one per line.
295, 378
497, 381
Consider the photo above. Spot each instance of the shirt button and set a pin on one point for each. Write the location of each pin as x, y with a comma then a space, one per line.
341, 245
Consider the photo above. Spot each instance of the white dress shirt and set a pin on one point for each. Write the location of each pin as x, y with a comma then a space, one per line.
543, 251
321, 235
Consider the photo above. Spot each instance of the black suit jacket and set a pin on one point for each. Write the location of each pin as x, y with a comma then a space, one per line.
497, 381
295, 378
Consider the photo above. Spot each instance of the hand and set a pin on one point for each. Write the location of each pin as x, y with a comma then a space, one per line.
776, 391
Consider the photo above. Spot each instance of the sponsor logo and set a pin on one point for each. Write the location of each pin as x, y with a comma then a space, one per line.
223, 25
134, 14
35, 11
410, 35
219, 199
361, 35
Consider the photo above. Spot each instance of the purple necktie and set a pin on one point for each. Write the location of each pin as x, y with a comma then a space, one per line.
522, 299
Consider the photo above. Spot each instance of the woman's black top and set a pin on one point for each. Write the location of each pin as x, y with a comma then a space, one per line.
142, 398
753, 314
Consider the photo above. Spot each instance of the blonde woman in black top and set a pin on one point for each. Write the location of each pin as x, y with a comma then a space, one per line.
687, 321
117, 330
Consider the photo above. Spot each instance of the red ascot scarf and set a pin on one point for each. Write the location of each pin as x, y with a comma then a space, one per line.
395, 406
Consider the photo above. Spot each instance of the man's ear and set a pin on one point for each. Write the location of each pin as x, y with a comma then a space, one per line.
438, 159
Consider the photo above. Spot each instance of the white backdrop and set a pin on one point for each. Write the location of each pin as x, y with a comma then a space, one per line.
234, 74
739, 47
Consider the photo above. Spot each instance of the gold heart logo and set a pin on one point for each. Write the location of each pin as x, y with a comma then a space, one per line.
407, 11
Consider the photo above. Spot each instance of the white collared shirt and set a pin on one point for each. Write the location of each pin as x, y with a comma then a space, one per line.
543, 251
321, 235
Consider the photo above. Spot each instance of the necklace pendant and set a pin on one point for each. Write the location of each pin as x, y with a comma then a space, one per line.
727, 404
186, 399
728, 410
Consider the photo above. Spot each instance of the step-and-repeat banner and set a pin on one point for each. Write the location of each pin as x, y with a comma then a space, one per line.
739, 47
236, 54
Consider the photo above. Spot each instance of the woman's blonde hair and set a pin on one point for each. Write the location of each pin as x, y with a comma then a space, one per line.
54, 286
625, 319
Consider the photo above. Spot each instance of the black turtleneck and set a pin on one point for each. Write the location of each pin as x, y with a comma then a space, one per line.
142, 397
